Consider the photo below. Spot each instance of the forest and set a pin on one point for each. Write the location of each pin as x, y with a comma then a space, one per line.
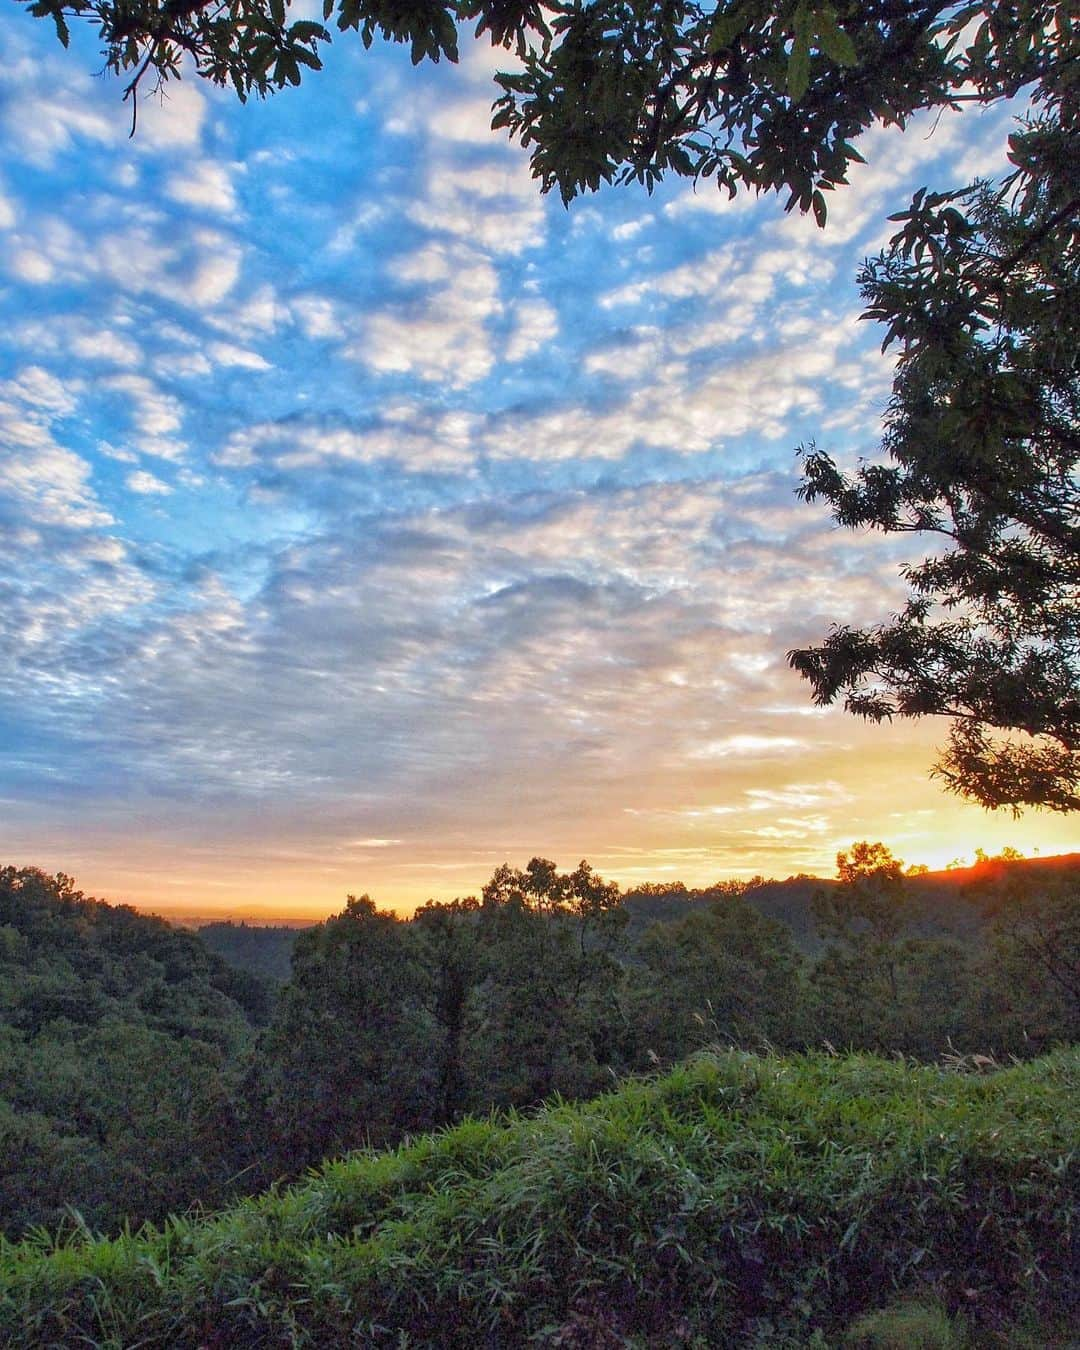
149, 1070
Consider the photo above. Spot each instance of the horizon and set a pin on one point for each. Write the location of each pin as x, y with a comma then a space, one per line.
262, 917
372, 516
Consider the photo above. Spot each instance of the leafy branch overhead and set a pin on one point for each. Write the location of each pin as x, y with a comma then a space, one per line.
758, 94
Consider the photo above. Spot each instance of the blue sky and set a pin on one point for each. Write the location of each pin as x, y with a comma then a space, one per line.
367, 518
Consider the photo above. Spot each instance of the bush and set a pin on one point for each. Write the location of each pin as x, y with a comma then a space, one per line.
737, 1201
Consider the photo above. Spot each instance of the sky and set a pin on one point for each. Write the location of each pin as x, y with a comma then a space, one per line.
368, 519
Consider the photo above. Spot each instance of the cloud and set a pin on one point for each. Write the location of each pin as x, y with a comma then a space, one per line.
40, 389
466, 119
492, 205
317, 317
535, 324
8, 215
154, 414
748, 745
27, 264
47, 483
540, 625
66, 112
106, 346
298, 444
441, 334
256, 315
195, 271
173, 118
205, 185
496, 549
146, 485
673, 407
228, 354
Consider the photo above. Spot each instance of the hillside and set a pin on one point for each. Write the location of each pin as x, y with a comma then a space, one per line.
957, 902
953, 904
738, 1201
263, 949
120, 1040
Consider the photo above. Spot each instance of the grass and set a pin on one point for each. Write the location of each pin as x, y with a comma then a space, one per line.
740, 1200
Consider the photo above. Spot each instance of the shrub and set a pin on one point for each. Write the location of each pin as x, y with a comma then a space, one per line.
739, 1200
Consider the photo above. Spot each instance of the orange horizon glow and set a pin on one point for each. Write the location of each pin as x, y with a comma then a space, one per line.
295, 891
747, 804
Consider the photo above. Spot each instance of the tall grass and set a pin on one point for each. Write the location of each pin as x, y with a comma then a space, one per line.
740, 1200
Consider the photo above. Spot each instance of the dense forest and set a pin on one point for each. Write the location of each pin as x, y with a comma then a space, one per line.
142, 1073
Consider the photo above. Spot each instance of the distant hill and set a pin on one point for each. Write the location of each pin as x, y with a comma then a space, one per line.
66, 956
263, 950
953, 903
120, 1040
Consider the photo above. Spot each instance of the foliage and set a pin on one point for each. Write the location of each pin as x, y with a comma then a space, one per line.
1026, 979
982, 290
390, 1027
264, 950
549, 1017
738, 1201
889, 980
766, 94
925, 1325
132, 1083
726, 975
347, 1061
448, 946
119, 1040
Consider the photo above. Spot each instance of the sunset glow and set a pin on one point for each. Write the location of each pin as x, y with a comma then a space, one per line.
368, 520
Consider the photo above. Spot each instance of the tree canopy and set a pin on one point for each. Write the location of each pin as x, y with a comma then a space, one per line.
979, 288
750, 93
139, 1076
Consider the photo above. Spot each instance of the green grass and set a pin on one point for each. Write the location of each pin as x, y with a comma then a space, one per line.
737, 1201
923, 1325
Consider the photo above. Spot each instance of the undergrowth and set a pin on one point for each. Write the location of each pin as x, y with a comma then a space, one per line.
739, 1200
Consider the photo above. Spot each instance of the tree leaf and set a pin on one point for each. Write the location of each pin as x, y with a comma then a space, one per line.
727, 25
833, 41
798, 71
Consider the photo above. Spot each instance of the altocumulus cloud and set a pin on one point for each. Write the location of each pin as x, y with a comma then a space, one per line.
346, 478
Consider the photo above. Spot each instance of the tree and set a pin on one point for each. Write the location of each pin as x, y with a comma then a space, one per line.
548, 1015
982, 289
722, 974
768, 94
346, 1062
1028, 992
446, 941
865, 914
878, 985
120, 1055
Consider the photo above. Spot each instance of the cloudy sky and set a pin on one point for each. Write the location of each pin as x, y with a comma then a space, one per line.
367, 519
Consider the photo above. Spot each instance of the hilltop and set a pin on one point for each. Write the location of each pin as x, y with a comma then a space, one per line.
121, 1042
953, 902
140, 1075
